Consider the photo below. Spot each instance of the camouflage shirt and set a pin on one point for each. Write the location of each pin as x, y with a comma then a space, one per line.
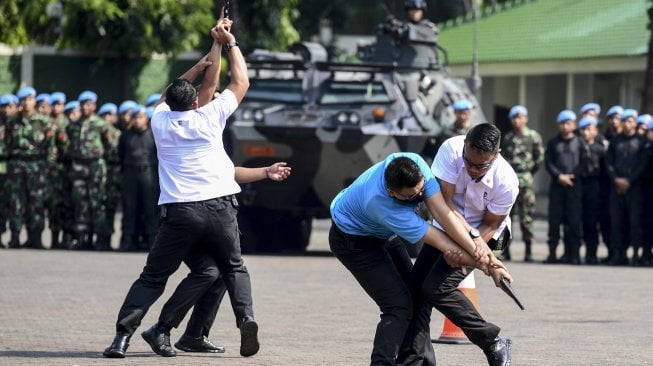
524, 153
30, 137
87, 138
111, 155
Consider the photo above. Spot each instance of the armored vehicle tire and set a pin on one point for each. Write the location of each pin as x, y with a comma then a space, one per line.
268, 231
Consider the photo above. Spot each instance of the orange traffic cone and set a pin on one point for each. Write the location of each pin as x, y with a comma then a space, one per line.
451, 333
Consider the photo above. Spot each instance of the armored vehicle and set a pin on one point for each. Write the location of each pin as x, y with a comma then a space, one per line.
329, 122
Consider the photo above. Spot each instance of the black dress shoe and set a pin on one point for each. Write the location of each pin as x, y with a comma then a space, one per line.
118, 347
159, 339
201, 344
499, 353
248, 337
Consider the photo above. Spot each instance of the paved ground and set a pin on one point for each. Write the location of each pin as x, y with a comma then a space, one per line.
58, 308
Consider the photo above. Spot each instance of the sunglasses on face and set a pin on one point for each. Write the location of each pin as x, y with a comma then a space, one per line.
480, 166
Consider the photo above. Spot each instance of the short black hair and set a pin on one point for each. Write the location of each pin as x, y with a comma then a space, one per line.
484, 137
402, 172
180, 95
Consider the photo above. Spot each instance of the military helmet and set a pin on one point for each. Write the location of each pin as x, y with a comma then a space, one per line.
415, 4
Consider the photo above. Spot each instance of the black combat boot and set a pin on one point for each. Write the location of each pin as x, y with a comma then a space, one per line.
528, 256
54, 243
14, 242
80, 242
66, 241
103, 242
34, 239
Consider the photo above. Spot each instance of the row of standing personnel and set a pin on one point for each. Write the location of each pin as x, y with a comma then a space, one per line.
596, 183
64, 159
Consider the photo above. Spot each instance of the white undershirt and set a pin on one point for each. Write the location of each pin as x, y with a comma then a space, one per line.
193, 165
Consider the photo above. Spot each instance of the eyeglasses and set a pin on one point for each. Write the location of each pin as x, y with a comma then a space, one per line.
481, 166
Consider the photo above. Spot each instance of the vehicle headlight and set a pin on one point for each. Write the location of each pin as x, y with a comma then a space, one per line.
354, 118
258, 115
246, 114
342, 117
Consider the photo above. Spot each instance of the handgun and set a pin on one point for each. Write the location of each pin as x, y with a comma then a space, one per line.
505, 286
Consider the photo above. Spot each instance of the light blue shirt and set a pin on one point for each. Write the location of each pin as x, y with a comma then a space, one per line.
365, 208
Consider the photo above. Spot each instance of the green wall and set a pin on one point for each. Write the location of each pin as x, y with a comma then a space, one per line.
9, 74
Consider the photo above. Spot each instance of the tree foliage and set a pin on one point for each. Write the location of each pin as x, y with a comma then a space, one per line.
267, 23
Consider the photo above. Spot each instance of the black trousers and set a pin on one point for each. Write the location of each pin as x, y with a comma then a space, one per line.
382, 268
626, 219
205, 235
435, 284
591, 213
565, 207
205, 310
140, 192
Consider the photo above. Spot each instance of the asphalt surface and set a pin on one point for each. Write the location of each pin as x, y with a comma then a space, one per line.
59, 308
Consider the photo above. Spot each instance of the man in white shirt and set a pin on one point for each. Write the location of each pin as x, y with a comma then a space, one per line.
480, 187
198, 206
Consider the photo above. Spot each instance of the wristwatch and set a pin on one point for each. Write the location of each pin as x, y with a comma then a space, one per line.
230, 45
474, 233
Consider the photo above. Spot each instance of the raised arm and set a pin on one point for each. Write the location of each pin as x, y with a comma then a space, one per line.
239, 79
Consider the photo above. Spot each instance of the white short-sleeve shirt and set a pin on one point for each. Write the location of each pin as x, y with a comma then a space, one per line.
496, 192
193, 165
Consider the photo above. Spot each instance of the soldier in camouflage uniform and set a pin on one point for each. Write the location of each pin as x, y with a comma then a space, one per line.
30, 142
57, 197
8, 108
108, 112
523, 149
72, 113
88, 141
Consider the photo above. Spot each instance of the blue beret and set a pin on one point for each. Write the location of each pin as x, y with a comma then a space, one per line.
644, 119
614, 110
152, 99
108, 108
589, 107
149, 111
126, 106
518, 109
87, 95
462, 105
26, 92
650, 124
57, 97
8, 98
43, 97
628, 113
71, 105
566, 115
586, 121
137, 109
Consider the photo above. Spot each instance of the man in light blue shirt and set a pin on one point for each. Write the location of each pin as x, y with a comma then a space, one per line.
381, 202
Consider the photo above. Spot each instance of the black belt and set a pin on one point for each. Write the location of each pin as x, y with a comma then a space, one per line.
360, 241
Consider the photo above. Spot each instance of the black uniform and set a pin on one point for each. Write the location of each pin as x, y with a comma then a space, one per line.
626, 158
140, 192
565, 203
592, 172
647, 217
